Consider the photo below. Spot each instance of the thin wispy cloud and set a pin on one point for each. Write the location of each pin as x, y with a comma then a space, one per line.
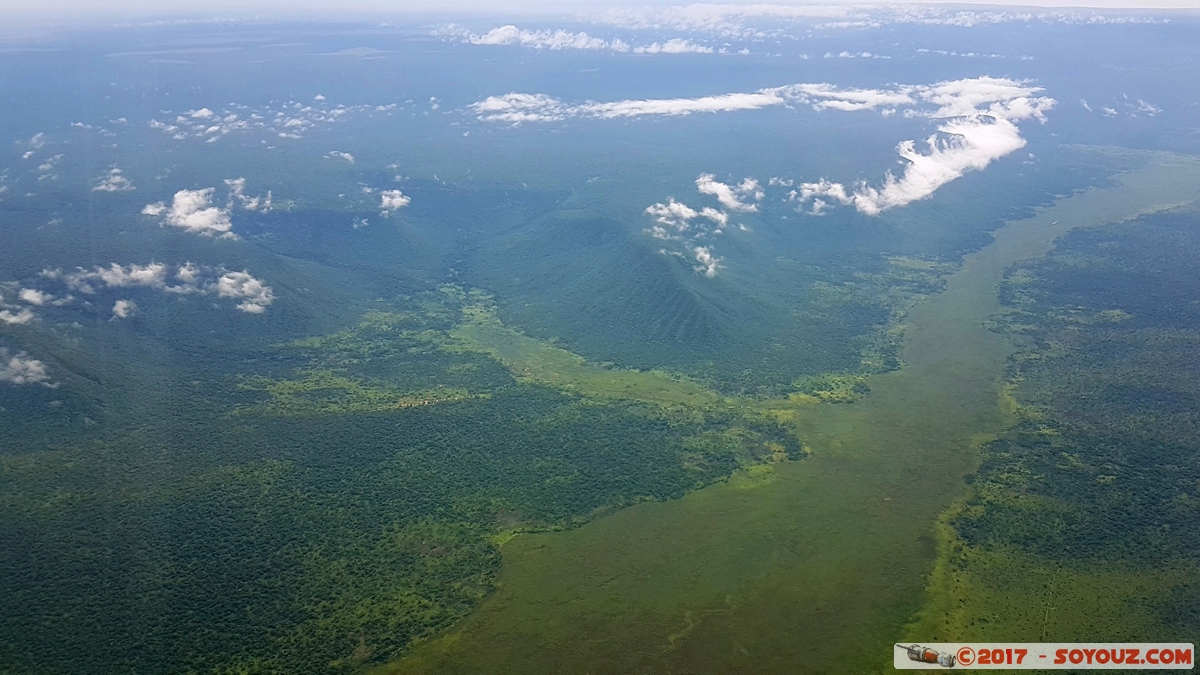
113, 182
761, 20
559, 39
978, 123
516, 108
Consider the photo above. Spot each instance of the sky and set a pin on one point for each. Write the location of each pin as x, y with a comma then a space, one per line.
80, 9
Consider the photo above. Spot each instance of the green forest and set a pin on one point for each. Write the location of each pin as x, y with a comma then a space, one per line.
347, 501
1100, 478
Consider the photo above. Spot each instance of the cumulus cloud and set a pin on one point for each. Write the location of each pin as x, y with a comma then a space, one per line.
256, 295
152, 275
187, 279
679, 216
545, 39
193, 210
516, 108
673, 46
113, 182
20, 369
708, 262
123, 309
556, 40
34, 297
18, 318
731, 196
289, 119
855, 55
392, 200
677, 222
337, 154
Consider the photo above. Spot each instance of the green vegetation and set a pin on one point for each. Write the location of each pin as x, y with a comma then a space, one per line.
255, 503
1085, 517
351, 501
835, 549
327, 393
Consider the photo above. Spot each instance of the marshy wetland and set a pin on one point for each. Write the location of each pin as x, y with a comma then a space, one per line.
425, 347
811, 566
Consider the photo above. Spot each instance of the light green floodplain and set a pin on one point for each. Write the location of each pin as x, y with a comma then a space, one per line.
814, 566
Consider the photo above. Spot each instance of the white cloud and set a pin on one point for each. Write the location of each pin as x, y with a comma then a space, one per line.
556, 40
979, 125
113, 182
34, 297
152, 275
392, 200
676, 221
544, 39
20, 369
518, 107
50, 163
123, 309
980, 116
241, 285
823, 96
722, 19
855, 55
336, 154
673, 46
680, 216
708, 262
237, 195
1144, 107
289, 119
747, 20
731, 196
20, 317
193, 210
186, 279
